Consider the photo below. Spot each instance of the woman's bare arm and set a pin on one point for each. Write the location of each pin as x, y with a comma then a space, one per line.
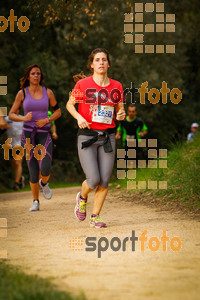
70, 106
57, 113
120, 111
13, 116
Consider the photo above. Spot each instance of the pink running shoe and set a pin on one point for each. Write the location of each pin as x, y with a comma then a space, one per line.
80, 208
96, 222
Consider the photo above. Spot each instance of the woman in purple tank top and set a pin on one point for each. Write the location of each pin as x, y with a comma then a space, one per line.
35, 99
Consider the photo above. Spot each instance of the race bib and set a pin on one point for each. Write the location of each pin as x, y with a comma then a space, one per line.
103, 114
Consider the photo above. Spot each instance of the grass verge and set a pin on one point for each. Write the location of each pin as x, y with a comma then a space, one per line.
53, 185
16, 285
181, 174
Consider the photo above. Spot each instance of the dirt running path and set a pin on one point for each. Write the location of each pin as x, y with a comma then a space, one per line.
39, 242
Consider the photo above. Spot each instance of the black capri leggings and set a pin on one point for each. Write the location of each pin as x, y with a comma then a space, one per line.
44, 165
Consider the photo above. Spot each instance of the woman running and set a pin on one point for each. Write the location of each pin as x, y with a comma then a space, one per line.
14, 132
35, 99
97, 96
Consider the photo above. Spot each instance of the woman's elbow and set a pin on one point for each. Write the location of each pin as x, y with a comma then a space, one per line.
10, 116
67, 106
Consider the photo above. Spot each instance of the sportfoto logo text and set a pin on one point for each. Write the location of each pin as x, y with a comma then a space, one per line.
23, 22
116, 244
154, 95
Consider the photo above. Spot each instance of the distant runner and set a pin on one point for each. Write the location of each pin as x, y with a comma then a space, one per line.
194, 132
132, 127
14, 131
36, 99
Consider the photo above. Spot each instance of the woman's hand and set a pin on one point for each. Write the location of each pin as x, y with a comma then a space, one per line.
118, 135
54, 136
40, 123
82, 123
141, 134
121, 114
28, 117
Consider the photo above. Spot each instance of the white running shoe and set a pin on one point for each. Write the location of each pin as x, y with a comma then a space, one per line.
47, 192
35, 206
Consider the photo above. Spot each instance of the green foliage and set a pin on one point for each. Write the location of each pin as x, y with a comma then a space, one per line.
183, 167
183, 172
63, 33
15, 285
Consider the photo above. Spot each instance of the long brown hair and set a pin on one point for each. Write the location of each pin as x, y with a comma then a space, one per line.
24, 81
79, 76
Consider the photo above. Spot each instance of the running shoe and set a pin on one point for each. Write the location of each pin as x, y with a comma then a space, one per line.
22, 182
35, 206
96, 222
47, 192
80, 208
16, 186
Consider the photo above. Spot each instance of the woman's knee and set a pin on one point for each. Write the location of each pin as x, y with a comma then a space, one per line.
104, 183
16, 163
93, 182
33, 170
46, 167
34, 177
45, 171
